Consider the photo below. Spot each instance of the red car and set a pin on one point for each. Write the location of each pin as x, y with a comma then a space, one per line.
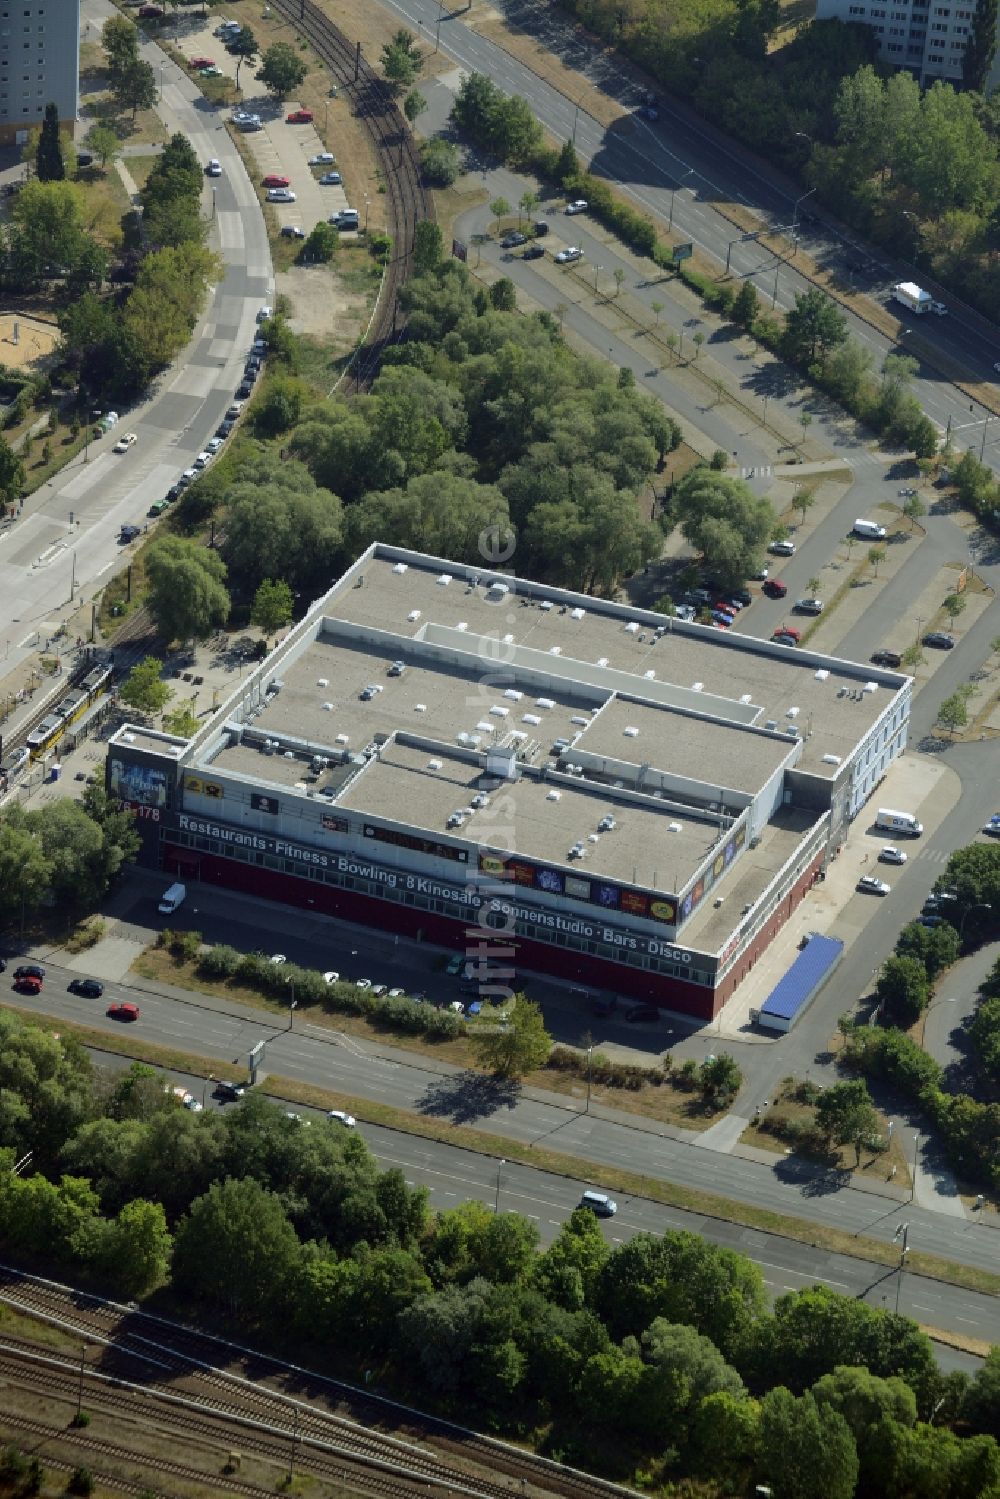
123, 1011
273, 180
722, 607
775, 589
202, 62
28, 985
299, 117
795, 635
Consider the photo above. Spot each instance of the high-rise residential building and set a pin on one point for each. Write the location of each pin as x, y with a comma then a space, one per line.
928, 37
39, 64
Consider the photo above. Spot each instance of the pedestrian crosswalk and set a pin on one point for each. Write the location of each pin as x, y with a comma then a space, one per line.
762, 471
933, 855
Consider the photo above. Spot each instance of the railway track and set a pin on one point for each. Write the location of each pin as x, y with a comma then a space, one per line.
231, 1381
408, 200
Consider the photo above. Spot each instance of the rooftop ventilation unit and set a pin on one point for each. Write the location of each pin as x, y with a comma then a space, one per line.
553, 795
593, 838
831, 759
870, 687
434, 765
420, 707
631, 628
508, 640
577, 851
772, 723
288, 755
322, 681
342, 739
555, 650
531, 718
746, 698
649, 675
631, 732
791, 712
480, 800
822, 674
399, 568
413, 616
607, 824
455, 820
269, 746
444, 580
545, 604
674, 827
602, 660
513, 694
577, 613
500, 589
462, 625
545, 702
792, 731
697, 686
487, 728
276, 685
578, 718
499, 711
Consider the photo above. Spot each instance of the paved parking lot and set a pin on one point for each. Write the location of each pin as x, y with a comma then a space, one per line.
279, 149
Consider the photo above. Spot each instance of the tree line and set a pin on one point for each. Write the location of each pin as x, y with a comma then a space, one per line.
915, 171
968, 1125
658, 1355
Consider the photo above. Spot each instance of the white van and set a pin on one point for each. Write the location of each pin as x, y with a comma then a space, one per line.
890, 821
869, 531
599, 1203
172, 897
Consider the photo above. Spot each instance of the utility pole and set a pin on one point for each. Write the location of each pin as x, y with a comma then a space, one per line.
295, 1443
904, 1229
500, 1166
79, 1391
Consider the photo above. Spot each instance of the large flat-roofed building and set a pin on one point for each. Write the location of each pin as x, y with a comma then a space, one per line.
39, 64
539, 778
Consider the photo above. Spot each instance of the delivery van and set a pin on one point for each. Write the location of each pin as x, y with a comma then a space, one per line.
889, 821
171, 899
869, 531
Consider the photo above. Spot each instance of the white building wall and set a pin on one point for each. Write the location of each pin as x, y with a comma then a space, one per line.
39, 63
929, 37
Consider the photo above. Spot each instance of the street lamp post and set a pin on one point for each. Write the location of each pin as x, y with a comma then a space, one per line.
913, 1178
500, 1165
904, 1229
687, 174
774, 294
590, 1055
798, 203
945, 999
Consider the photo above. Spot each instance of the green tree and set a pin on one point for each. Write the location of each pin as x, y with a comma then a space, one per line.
952, 714
526, 204
800, 1440
273, 606
282, 71
876, 555
913, 656
281, 406
914, 509
503, 295
401, 61
243, 45
120, 41
183, 722
803, 502
49, 163
980, 49
902, 990
120, 840
935, 947
281, 525
720, 1079
144, 688
515, 1042
11, 473
428, 246
321, 243
725, 521
567, 164
134, 87
813, 328
136, 1251
187, 597
846, 1115
414, 105
104, 143
237, 1249
499, 208
568, 1270
441, 161
746, 306
954, 605
724, 1438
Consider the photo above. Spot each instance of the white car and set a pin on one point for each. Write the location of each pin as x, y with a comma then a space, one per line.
996, 367
869, 885
203, 460
125, 442
380, 990
993, 826
322, 159
331, 179
572, 252
397, 993
892, 855
338, 1116
578, 205
363, 984
782, 548
214, 444
187, 476
263, 313
214, 168
280, 195
192, 1104
278, 957
331, 976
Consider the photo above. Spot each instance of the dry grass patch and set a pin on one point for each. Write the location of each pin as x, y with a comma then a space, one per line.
788, 1128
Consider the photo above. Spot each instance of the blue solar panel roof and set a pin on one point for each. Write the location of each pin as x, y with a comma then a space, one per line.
804, 977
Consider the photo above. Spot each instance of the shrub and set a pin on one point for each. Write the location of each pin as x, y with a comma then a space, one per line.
220, 962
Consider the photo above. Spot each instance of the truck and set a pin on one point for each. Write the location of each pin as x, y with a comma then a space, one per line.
890, 821
915, 299
172, 897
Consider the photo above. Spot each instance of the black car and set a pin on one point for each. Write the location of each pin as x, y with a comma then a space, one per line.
643, 1014
128, 533
886, 658
174, 493
224, 428
939, 640
533, 252
89, 988
511, 241
740, 596
29, 971
541, 227
229, 1092
3, 964
245, 390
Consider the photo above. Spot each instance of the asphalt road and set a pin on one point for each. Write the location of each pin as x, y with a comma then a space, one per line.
681, 164
452, 1175
67, 536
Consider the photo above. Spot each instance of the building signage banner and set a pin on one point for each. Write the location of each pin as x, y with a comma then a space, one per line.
596, 892
468, 899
